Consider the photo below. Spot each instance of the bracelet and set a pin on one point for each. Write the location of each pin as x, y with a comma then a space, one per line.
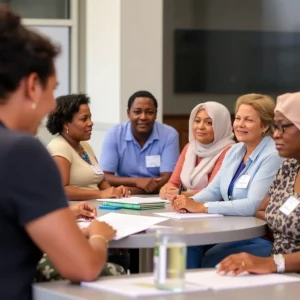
279, 262
100, 237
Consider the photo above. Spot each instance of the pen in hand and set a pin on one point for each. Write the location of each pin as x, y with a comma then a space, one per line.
180, 189
183, 210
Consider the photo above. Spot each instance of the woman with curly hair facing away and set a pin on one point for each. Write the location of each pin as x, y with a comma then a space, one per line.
34, 214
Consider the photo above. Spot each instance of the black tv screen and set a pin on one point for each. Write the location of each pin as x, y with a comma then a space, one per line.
219, 61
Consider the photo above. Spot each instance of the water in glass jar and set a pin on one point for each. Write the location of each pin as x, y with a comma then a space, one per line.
170, 265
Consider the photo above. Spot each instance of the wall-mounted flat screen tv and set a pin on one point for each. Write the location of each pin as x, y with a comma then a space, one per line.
221, 61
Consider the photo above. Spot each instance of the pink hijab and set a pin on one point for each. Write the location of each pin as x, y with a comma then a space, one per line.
289, 105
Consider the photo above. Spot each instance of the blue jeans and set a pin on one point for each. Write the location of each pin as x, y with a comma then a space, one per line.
210, 256
195, 255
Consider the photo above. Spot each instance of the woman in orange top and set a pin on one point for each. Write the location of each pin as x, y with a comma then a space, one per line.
210, 137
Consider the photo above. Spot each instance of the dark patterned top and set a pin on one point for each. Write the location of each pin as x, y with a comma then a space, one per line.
286, 229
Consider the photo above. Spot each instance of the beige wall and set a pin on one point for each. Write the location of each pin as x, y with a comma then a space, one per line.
280, 15
123, 54
141, 50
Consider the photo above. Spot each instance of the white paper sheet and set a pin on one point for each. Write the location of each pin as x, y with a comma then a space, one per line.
181, 216
125, 224
155, 199
134, 287
134, 200
83, 224
213, 280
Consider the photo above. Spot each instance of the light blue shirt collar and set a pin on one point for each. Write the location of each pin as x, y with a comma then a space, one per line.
258, 149
129, 135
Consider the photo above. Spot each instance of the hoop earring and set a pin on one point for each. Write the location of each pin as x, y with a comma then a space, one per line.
33, 105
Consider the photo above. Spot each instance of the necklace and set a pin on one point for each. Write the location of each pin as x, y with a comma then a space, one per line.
84, 155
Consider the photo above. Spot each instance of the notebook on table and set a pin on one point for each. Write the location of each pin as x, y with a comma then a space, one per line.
134, 203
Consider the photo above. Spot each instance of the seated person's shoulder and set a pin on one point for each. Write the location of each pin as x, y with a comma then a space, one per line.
227, 149
58, 146
57, 141
288, 164
269, 152
185, 148
17, 147
30, 177
166, 130
117, 131
235, 148
119, 128
271, 147
19, 141
224, 153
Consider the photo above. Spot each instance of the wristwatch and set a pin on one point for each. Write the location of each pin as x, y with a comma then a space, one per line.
205, 204
279, 262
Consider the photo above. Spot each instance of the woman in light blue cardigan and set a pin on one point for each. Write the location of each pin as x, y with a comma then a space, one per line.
247, 172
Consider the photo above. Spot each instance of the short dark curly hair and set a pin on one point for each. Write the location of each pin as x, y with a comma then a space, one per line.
66, 107
22, 52
138, 94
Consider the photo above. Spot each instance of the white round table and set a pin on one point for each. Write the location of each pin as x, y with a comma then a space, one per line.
204, 231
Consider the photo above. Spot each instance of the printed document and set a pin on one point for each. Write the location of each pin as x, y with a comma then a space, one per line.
181, 216
125, 224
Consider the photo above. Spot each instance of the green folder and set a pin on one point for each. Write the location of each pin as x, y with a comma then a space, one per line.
141, 206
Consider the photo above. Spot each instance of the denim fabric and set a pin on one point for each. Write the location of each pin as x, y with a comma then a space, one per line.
210, 255
258, 247
195, 255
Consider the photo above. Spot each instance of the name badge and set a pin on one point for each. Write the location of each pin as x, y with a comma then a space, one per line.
153, 161
97, 170
243, 182
289, 205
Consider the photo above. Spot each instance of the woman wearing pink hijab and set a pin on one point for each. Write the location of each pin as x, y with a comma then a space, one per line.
281, 207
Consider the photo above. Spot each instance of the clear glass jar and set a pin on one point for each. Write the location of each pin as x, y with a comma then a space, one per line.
169, 259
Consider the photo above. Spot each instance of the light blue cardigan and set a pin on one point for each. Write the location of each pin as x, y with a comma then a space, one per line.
262, 166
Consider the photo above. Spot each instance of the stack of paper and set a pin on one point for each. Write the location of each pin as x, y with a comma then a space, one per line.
134, 203
176, 215
126, 225
136, 286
